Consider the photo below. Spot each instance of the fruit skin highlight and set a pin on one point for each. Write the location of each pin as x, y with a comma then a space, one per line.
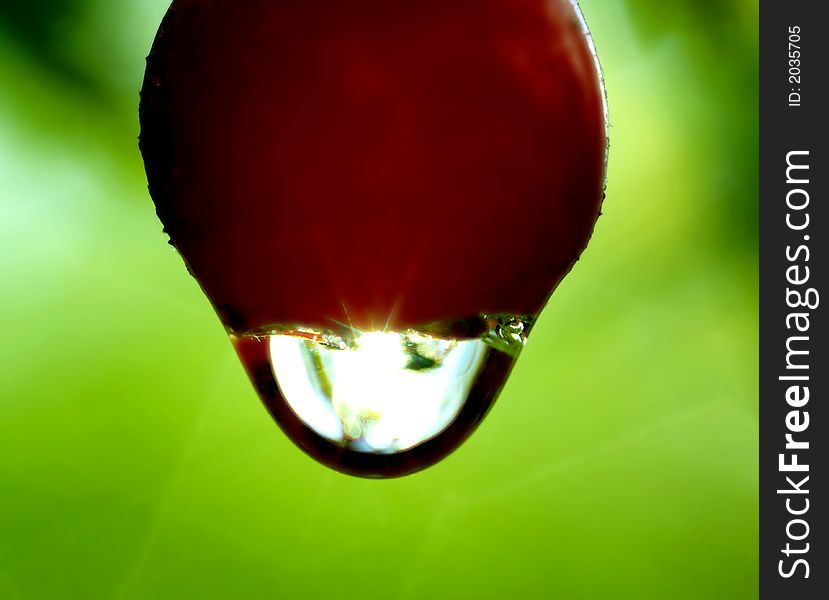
386, 164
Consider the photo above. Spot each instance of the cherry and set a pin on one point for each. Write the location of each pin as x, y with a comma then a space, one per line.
378, 197
383, 163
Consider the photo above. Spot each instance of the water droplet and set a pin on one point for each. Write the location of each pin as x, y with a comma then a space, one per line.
382, 403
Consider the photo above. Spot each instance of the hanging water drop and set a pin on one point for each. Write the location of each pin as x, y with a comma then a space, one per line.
379, 403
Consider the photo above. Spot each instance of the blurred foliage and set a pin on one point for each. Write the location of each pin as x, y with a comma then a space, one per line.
620, 461
724, 57
39, 27
42, 31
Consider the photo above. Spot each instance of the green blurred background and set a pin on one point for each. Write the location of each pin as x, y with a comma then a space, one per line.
620, 461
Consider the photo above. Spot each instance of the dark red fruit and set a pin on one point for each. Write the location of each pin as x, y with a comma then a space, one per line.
388, 163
